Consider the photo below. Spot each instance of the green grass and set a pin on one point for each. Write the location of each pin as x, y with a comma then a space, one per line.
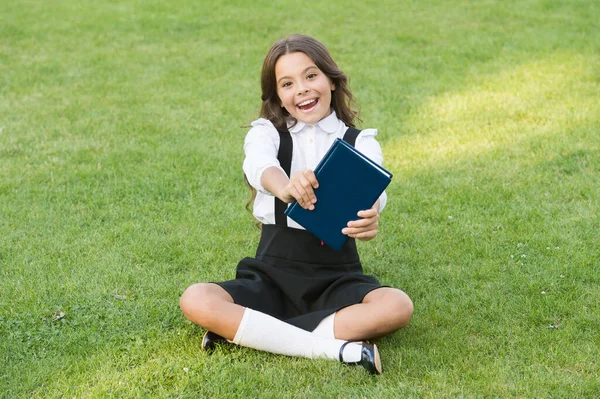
121, 127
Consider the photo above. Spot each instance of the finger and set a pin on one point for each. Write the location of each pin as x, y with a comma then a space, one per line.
367, 213
308, 189
352, 231
363, 235
297, 196
305, 197
362, 223
300, 195
366, 236
303, 188
297, 189
306, 179
311, 177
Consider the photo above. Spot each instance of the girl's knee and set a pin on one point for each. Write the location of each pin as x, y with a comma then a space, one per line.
400, 307
404, 308
203, 303
196, 300
189, 298
393, 305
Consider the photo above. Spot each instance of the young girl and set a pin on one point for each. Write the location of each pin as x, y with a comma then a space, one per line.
297, 296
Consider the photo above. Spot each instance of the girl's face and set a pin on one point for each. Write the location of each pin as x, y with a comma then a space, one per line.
303, 89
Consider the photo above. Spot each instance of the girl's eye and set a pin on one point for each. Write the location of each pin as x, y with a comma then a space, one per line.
311, 75
286, 84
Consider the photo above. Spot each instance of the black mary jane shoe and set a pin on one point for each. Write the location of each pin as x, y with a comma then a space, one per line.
210, 340
370, 359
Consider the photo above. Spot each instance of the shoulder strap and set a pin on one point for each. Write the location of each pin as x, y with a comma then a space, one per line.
284, 155
351, 135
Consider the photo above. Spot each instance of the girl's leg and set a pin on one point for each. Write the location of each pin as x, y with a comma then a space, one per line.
382, 311
212, 307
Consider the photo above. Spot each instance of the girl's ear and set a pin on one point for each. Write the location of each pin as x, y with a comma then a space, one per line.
332, 86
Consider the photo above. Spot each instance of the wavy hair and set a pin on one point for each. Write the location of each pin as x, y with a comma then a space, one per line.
342, 100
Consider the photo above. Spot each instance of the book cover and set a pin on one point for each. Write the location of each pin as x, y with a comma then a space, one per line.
349, 182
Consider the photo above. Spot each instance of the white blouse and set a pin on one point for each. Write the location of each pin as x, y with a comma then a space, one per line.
310, 143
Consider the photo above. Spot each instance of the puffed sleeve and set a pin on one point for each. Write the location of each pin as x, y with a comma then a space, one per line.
368, 145
260, 148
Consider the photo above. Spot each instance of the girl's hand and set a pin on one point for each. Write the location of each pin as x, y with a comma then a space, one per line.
366, 227
301, 188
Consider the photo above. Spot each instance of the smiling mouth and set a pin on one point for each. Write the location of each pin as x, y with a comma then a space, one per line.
305, 105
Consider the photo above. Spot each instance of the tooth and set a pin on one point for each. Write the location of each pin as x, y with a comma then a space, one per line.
302, 104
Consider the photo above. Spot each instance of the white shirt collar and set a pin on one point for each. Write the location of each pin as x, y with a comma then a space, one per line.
328, 124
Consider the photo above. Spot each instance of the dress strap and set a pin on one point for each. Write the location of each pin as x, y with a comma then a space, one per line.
351, 135
284, 156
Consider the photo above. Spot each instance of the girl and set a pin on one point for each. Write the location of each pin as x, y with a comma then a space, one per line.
298, 297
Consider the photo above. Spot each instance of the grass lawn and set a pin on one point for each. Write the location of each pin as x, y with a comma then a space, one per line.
121, 130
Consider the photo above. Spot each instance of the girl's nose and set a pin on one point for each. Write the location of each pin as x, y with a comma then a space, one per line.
302, 89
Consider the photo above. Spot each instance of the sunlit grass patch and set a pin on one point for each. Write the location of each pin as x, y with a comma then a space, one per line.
553, 99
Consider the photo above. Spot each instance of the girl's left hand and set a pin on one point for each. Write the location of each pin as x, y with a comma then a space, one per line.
366, 227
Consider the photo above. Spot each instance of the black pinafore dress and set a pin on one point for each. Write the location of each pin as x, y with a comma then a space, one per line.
294, 276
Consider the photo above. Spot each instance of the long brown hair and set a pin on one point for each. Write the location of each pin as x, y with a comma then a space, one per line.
342, 100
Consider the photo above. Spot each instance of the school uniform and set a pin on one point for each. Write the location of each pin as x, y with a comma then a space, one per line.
294, 276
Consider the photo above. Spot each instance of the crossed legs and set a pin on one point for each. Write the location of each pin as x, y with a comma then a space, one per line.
382, 311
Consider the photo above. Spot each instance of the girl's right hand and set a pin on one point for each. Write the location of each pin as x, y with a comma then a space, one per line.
301, 188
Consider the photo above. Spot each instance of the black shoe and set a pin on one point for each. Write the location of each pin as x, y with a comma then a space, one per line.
210, 339
370, 359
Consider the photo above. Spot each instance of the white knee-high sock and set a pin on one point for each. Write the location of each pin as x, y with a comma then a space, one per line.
325, 328
263, 332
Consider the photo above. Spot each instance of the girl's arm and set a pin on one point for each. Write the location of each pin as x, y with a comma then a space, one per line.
299, 187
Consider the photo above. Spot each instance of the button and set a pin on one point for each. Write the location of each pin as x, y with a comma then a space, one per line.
310, 126
310, 140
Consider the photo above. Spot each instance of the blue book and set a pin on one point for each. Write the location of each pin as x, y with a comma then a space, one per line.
348, 182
